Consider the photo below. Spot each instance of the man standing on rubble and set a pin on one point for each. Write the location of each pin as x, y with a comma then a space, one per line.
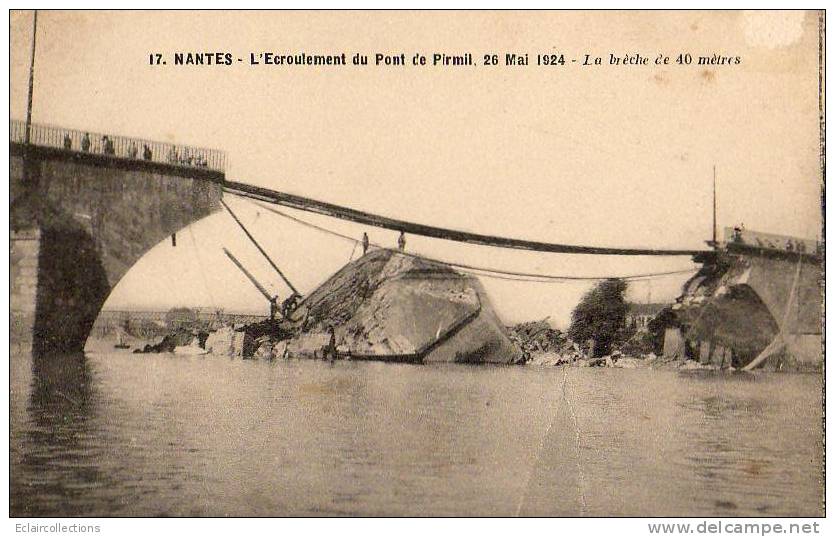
401, 241
364, 243
330, 352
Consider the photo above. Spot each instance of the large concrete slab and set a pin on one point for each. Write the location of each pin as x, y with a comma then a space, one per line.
391, 306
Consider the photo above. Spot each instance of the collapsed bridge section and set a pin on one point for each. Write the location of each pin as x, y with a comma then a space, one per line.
754, 301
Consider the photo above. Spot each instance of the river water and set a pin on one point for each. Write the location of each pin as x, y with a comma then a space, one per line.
117, 434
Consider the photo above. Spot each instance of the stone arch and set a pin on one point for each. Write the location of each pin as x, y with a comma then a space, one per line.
79, 223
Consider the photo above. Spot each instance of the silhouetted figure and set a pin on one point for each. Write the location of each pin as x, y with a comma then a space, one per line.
289, 305
132, 150
364, 243
67, 142
330, 352
107, 146
401, 241
85, 142
146, 152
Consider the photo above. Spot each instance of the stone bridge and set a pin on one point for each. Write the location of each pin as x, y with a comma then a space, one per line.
83, 212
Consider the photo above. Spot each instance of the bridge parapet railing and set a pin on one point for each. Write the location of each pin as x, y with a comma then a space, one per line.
738, 237
120, 147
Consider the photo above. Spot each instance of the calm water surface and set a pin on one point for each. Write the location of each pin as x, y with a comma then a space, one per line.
117, 434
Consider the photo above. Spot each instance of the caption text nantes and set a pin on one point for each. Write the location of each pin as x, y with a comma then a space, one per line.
441, 59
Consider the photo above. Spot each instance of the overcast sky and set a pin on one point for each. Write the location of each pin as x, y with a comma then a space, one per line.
607, 156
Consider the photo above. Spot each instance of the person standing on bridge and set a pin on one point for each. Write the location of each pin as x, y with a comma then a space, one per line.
364, 243
132, 150
85, 142
67, 141
146, 152
401, 241
107, 145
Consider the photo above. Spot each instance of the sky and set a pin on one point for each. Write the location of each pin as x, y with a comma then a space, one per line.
598, 155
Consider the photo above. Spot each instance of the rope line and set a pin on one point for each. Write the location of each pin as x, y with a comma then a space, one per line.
200, 266
354, 249
487, 272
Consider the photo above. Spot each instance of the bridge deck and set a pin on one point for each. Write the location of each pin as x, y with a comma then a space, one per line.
119, 147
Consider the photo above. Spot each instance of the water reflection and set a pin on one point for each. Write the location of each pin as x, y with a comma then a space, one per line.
58, 459
117, 434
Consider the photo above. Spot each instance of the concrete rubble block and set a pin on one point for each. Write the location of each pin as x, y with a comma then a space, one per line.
717, 357
704, 352
407, 317
631, 363
263, 348
391, 306
219, 342
673, 344
227, 341
548, 359
729, 357
280, 350
308, 345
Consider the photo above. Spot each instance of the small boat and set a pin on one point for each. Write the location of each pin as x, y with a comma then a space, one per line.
120, 342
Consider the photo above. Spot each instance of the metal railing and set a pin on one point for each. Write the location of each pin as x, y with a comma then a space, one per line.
120, 147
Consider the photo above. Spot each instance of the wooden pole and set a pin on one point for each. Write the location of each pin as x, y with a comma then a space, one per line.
267, 257
249, 275
715, 244
28, 134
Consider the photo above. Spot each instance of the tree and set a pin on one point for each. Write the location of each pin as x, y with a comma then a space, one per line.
601, 316
180, 319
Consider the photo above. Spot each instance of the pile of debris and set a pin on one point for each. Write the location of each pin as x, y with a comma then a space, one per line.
543, 345
170, 342
385, 306
537, 336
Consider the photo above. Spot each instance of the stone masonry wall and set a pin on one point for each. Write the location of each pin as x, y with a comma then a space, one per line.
95, 216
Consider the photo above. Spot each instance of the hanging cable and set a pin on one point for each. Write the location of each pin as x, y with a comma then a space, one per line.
200, 270
346, 213
483, 271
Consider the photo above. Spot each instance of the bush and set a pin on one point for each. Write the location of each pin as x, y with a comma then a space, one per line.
601, 316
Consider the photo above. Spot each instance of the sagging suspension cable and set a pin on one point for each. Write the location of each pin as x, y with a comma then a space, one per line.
267, 257
476, 270
361, 217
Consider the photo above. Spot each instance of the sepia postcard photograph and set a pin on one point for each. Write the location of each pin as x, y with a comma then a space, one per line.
417, 263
